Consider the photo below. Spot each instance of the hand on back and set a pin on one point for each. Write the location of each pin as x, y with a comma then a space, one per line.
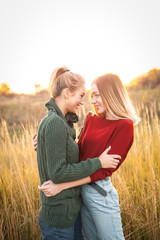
89, 114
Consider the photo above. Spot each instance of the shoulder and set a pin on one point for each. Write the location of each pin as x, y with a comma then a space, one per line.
126, 122
93, 118
125, 125
55, 123
90, 120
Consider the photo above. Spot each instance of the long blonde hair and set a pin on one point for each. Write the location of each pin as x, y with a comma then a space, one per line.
62, 78
115, 98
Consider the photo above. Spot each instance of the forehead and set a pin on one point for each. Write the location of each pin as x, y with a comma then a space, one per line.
81, 89
94, 88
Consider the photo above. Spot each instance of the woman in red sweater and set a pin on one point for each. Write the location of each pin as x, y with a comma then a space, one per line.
111, 126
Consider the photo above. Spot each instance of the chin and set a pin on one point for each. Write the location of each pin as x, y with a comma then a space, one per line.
101, 112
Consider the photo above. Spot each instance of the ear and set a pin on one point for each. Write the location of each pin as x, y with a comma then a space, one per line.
66, 93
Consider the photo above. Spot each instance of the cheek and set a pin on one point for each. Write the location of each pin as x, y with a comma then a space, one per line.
78, 99
75, 101
104, 109
100, 101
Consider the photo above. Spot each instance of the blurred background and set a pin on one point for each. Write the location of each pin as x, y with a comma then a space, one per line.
91, 37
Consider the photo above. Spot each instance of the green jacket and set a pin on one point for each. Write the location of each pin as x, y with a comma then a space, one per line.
57, 157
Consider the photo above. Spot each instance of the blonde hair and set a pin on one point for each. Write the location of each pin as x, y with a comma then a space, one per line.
115, 98
62, 78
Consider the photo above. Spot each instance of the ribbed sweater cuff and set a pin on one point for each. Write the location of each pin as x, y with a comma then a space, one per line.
97, 162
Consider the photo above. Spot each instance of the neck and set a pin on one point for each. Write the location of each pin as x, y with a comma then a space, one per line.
110, 117
61, 104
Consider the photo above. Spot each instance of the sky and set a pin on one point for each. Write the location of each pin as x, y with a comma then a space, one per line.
90, 37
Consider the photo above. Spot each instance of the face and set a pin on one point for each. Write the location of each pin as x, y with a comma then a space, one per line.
76, 99
96, 99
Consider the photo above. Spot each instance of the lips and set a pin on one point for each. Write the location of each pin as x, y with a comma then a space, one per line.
97, 106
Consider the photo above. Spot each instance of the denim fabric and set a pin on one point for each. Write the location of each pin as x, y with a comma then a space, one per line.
52, 233
101, 219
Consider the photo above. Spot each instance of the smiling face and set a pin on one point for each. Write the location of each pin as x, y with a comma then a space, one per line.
97, 100
75, 99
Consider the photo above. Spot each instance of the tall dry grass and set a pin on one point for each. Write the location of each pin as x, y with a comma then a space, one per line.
19, 196
137, 182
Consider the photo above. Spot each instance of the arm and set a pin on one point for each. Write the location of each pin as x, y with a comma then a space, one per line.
121, 142
51, 189
58, 168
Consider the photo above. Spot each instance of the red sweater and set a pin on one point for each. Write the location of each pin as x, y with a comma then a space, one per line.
98, 134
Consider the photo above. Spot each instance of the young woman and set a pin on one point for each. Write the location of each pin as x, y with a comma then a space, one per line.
112, 125
58, 156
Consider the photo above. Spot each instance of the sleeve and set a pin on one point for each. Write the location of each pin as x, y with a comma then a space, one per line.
120, 142
58, 168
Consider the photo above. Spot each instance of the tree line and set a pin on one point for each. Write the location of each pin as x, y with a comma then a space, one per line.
149, 80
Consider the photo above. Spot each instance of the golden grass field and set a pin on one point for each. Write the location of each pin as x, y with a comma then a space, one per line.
137, 181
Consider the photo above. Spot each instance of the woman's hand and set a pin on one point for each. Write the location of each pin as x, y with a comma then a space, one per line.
51, 189
89, 114
34, 137
109, 160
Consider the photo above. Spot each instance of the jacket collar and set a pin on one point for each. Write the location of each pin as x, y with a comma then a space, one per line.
69, 117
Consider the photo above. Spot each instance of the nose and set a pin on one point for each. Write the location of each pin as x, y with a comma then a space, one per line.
93, 100
81, 102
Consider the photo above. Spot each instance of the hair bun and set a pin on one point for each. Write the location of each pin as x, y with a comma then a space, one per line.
61, 71
67, 70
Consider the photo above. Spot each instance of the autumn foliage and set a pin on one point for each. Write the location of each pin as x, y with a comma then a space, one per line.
4, 89
149, 80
